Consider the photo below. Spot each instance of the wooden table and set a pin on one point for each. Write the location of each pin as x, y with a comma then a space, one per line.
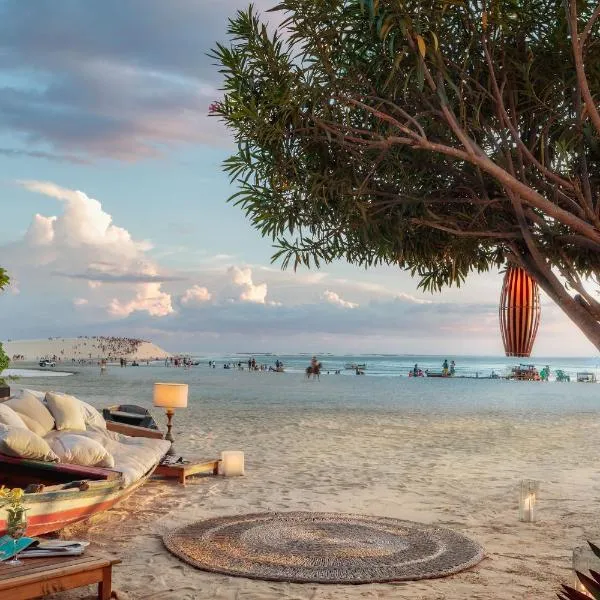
182, 470
37, 577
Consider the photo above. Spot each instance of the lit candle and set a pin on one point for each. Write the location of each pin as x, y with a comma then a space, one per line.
528, 500
528, 504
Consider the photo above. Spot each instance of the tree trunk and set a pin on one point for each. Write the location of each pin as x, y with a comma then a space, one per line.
587, 324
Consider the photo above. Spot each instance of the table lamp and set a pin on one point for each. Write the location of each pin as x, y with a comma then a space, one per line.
170, 396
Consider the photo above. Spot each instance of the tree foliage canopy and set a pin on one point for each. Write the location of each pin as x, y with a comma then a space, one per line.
444, 136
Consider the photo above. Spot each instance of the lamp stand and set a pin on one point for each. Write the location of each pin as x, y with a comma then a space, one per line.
169, 436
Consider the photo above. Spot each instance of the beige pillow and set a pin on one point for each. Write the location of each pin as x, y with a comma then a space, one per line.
33, 425
29, 406
66, 410
76, 449
91, 416
9, 417
22, 443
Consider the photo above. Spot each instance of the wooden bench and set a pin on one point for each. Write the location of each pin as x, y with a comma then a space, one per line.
37, 577
182, 470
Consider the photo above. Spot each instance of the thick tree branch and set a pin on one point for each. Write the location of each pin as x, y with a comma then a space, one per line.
571, 7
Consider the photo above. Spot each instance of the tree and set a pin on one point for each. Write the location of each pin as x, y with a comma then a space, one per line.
444, 137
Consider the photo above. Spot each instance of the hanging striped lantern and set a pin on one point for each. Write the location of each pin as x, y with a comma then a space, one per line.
519, 312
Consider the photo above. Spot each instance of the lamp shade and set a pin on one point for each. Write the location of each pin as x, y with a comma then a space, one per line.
171, 395
519, 312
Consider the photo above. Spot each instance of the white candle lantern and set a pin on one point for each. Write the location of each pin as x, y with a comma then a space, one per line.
528, 498
232, 463
584, 561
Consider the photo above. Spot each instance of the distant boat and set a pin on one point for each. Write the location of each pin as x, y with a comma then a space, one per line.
524, 373
586, 377
354, 366
437, 374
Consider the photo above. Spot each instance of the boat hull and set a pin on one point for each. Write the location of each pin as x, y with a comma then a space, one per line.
55, 508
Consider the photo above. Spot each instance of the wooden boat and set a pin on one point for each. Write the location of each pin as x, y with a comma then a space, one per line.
130, 414
67, 493
524, 373
58, 495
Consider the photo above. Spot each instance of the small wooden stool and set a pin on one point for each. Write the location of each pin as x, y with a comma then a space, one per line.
37, 577
182, 470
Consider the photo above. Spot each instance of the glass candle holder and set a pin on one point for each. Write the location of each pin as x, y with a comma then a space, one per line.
584, 561
528, 497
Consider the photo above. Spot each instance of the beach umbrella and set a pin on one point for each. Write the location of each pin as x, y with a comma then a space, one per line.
519, 312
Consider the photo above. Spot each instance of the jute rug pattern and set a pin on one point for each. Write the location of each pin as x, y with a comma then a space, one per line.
307, 547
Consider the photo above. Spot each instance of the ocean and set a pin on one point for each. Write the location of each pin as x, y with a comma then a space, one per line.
385, 387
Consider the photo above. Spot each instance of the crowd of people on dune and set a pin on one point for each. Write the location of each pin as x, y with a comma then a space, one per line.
87, 349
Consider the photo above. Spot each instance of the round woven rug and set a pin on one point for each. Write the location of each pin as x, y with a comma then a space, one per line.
307, 547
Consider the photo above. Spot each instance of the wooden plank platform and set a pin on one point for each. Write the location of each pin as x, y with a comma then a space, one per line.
38, 577
181, 471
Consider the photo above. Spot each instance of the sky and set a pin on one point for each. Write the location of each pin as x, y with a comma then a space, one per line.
113, 205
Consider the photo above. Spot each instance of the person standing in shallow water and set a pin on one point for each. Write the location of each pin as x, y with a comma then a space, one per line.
445, 367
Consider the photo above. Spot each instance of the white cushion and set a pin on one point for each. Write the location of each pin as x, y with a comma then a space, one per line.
29, 406
39, 395
9, 417
134, 457
66, 410
91, 416
33, 425
76, 449
22, 443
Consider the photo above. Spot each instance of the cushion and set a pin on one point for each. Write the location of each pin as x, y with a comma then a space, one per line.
39, 395
29, 406
9, 417
67, 412
92, 416
22, 443
76, 449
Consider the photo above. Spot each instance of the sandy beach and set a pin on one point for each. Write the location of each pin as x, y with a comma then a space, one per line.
318, 447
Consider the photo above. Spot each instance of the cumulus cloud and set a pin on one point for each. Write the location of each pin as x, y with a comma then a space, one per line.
242, 277
83, 223
196, 295
334, 298
149, 298
83, 243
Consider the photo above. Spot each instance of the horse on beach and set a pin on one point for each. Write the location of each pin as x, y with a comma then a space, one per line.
313, 371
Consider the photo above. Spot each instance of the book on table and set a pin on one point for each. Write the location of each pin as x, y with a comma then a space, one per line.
37, 548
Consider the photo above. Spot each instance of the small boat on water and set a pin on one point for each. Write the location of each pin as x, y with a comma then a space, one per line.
524, 372
586, 377
354, 366
437, 373
130, 414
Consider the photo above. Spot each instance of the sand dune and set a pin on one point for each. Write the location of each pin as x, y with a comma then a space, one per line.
84, 348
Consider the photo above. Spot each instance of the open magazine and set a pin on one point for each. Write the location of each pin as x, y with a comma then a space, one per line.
36, 548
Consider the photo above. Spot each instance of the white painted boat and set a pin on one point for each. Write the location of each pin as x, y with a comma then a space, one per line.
59, 494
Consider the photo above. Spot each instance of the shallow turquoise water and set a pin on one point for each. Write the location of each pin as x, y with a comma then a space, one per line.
234, 391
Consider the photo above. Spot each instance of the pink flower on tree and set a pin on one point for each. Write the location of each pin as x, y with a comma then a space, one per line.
213, 108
